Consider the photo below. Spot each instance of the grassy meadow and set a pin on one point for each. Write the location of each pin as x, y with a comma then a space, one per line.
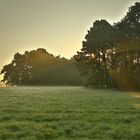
68, 113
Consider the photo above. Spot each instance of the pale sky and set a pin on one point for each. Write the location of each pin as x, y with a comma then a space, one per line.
59, 26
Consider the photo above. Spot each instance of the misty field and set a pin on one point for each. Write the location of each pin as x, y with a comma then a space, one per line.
68, 113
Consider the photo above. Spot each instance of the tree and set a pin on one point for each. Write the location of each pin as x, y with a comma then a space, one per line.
128, 38
18, 71
110, 55
38, 67
99, 39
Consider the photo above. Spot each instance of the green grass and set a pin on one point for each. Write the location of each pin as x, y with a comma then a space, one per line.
67, 113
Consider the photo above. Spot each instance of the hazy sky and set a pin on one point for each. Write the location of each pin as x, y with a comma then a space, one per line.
56, 25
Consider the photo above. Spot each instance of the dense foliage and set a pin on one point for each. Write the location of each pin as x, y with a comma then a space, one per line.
110, 55
109, 58
38, 67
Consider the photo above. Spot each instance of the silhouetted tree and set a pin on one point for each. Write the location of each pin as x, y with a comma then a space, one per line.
99, 39
110, 55
38, 67
128, 49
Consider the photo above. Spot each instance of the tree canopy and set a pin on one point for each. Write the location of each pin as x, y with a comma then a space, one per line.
38, 67
109, 58
110, 54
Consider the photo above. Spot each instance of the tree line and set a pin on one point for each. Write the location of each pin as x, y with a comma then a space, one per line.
38, 67
109, 58
110, 54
